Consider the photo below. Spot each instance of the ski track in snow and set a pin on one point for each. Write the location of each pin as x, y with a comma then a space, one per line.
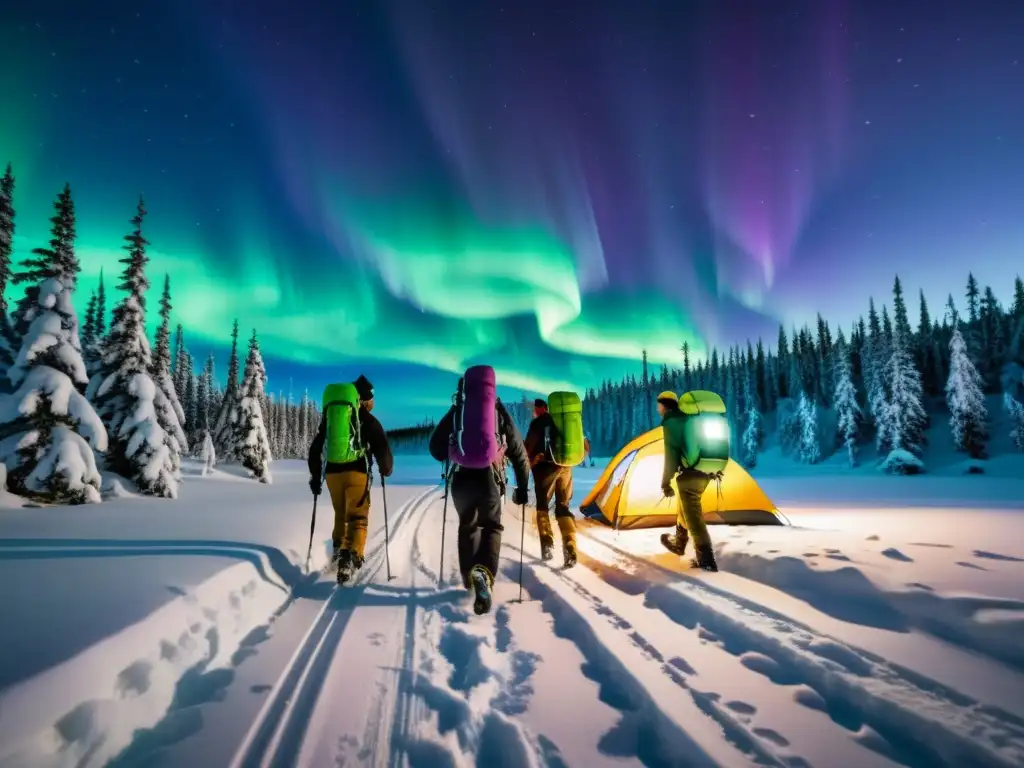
695, 675
277, 733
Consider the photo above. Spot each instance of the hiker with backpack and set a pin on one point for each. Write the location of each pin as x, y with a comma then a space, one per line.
554, 442
474, 439
696, 452
351, 439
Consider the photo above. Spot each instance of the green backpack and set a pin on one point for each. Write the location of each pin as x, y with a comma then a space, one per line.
341, 409
705, 431
566, 443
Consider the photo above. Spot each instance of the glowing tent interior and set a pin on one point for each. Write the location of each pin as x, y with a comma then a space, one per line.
628, 492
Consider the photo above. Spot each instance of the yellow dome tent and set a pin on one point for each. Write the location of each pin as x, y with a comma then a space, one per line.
628, 492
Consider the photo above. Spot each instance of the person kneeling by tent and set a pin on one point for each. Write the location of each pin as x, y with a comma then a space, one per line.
694, 459
354, 438
475, 437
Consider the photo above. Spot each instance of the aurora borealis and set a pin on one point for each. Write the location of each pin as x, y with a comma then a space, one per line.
408, 188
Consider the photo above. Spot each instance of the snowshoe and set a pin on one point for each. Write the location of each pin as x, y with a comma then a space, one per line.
569, 553
547, 550
346, 568
333, 564
705, 559
482, 591
676, 544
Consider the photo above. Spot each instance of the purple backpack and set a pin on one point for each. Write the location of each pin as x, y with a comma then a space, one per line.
476, 443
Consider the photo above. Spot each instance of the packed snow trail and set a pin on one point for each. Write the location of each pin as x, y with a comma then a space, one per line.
402, 673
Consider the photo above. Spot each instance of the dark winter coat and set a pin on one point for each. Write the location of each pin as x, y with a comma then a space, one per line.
514, 450
374, 439
534, 440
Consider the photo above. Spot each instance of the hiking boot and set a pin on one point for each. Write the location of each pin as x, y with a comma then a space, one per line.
345, 566
569, 553
481, 583
547, 550
676, 544
333, 564
705, 559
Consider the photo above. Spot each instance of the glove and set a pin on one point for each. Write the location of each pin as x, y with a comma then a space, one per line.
667, 491
520, 496
315, 486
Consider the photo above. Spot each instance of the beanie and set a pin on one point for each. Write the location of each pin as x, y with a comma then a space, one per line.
364, 388
670, 399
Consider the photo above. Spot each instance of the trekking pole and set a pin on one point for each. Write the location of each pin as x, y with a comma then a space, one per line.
312, 526
387, 553
522, 546
444, 519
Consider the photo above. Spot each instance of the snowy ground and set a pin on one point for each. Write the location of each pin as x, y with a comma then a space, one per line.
882, 629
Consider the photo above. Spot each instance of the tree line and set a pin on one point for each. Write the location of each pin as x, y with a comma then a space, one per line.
823, 391
75, 398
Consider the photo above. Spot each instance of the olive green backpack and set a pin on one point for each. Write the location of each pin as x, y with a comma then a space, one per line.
705, 431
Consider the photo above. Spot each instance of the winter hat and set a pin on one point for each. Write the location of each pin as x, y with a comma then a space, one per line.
539, 403
669, 399
364, 388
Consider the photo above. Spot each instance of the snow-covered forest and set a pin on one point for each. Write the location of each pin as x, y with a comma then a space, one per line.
819, 391
78, 400
822, 391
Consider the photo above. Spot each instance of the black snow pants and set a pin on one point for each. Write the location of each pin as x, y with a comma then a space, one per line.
477, 500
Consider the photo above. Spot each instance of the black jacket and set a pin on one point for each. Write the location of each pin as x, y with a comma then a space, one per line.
534, 440
375, 441
514, 450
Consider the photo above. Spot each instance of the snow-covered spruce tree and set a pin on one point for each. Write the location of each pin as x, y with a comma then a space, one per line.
848, 413
966, 400
8, 342
208, 453
753, 430
92, 349
227, 414
131, 403
170, 414
810, 446
48, 430
190, 404
252, 445
1015, 411
905, 415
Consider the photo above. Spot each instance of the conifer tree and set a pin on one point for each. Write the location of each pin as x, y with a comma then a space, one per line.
133, 405
905, 416
848, 412
171, 417
252, 446
191, 404
49, 429
810, 447
8, 341
202, 422
753, 431
101, 313
966, 400
227, 415
687, 373
1015, 412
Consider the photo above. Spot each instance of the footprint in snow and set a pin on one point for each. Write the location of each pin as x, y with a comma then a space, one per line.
919, 585
741, 707
810, 698
774, 737
929, 544
872, 537
971, 566
894, 554
996, 556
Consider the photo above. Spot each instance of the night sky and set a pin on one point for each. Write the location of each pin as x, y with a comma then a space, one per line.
404, 189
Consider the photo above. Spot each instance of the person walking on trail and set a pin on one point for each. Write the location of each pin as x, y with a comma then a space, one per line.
475, 438
352, 439
550, 480
586, 452
691, 483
